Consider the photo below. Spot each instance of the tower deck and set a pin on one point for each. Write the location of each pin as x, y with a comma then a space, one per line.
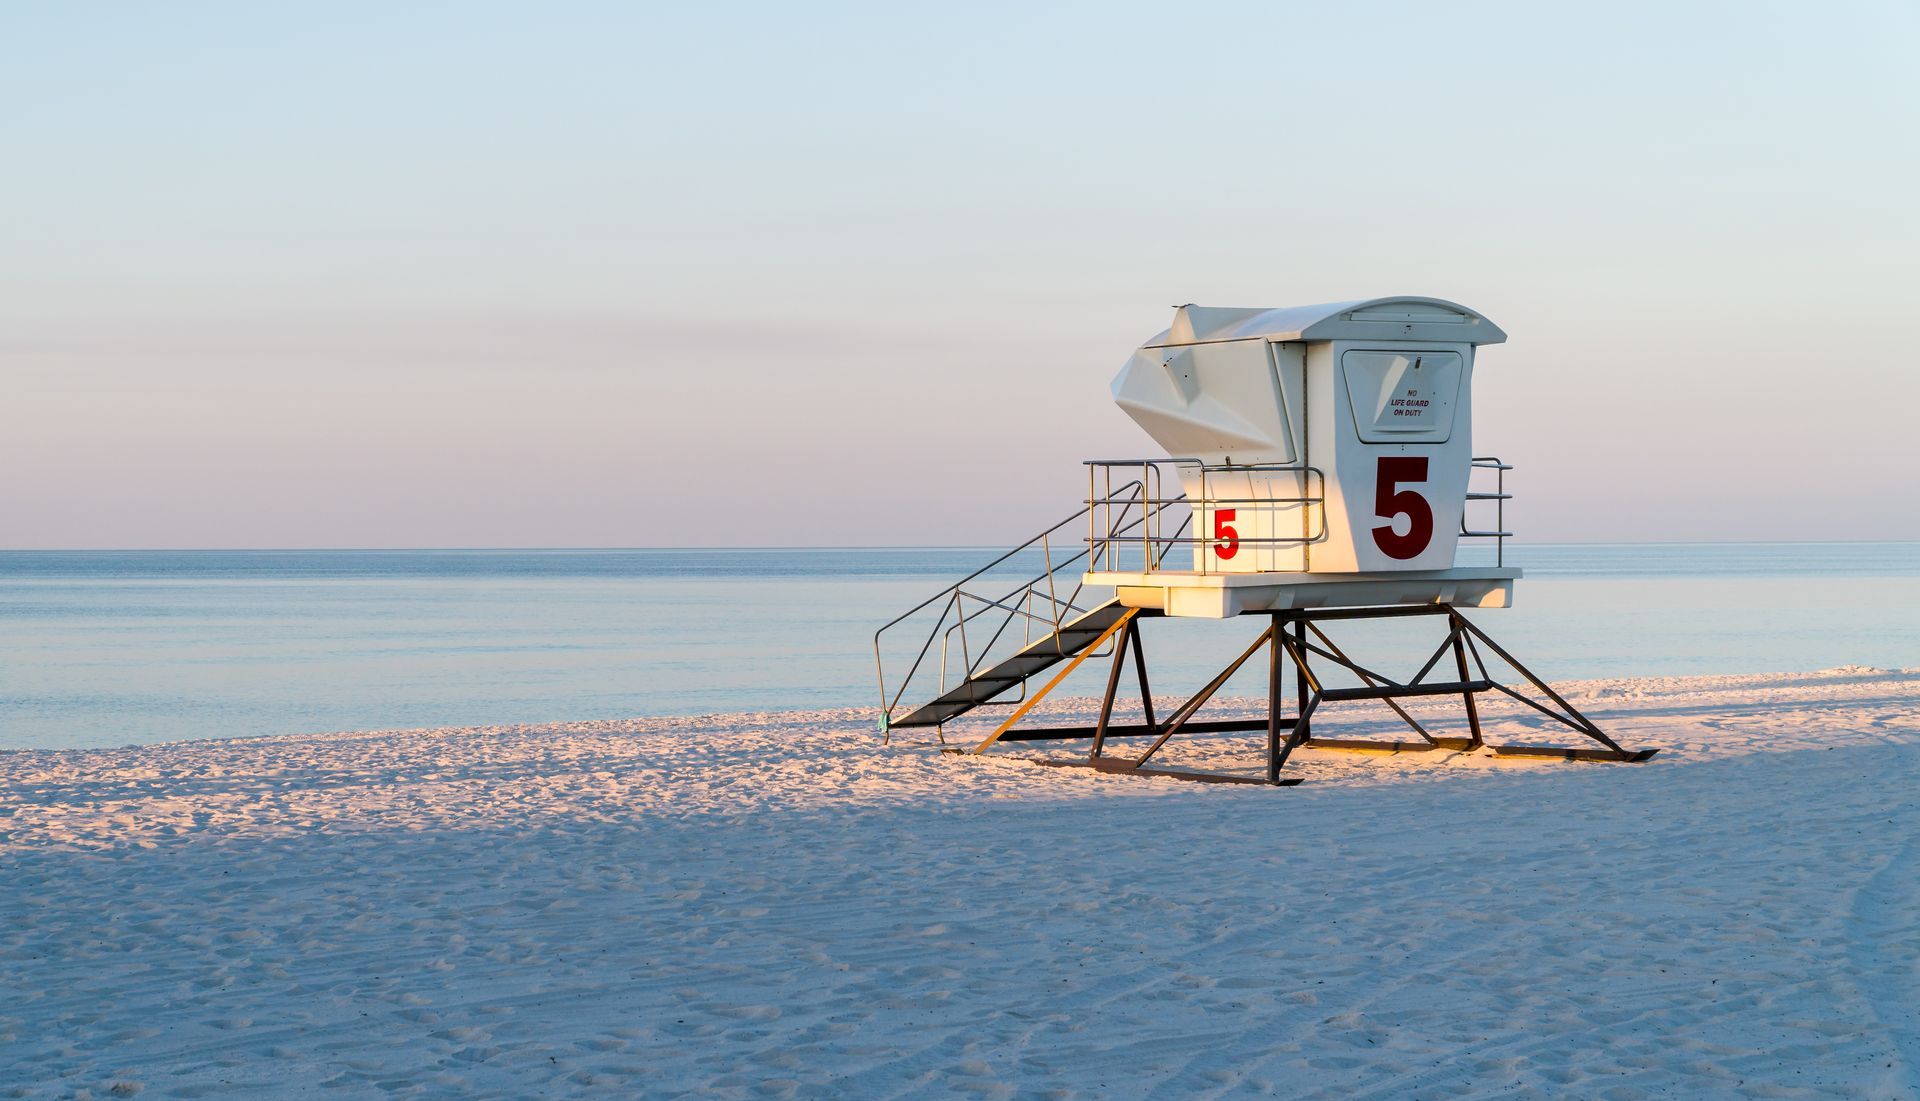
1224, 595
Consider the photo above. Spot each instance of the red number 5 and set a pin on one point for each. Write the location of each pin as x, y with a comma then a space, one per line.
1229, 539
1390, 501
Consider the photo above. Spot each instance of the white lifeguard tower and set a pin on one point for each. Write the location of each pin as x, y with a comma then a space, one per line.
1321, 470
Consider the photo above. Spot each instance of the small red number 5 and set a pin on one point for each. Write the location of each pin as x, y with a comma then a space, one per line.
1390, 501
1229, 539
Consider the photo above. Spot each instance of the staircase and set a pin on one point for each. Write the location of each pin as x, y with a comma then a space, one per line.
982, 686
1058, 618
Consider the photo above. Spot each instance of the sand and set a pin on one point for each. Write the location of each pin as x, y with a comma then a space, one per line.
778, 906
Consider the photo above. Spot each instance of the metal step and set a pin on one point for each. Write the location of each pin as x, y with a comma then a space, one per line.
1043, 654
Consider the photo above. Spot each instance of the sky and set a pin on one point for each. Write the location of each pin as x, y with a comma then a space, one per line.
512, 275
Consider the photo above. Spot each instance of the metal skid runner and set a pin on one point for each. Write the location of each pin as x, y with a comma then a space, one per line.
1298, 638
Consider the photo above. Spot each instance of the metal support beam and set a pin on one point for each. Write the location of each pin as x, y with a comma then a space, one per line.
1126, 730
1573, 716
1310, 691
1287, 641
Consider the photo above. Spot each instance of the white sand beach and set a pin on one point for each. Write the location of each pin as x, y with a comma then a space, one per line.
776, 905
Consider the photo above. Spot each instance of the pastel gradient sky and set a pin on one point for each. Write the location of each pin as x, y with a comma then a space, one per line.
569, 274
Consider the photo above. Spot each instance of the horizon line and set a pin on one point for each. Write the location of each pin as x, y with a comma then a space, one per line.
847, 547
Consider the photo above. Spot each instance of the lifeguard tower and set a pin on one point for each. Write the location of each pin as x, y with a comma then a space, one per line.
1320, 470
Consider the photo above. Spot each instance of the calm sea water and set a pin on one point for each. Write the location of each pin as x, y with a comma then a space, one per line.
108, 648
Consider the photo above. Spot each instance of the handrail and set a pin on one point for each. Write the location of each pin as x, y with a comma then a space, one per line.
1009, 554
1312, 492
1499, 497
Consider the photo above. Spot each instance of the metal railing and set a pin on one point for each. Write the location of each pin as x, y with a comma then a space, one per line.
1499, 497
1110, 552
1037, 601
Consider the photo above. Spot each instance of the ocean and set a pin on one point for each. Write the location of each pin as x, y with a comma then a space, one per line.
101, 648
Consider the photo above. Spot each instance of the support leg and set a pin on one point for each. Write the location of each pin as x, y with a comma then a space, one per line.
1573, 717
1113, 685
1140, 668
1460, 662
1302, 678
1274, 687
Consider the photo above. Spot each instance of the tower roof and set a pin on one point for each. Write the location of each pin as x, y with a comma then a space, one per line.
1403, 317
